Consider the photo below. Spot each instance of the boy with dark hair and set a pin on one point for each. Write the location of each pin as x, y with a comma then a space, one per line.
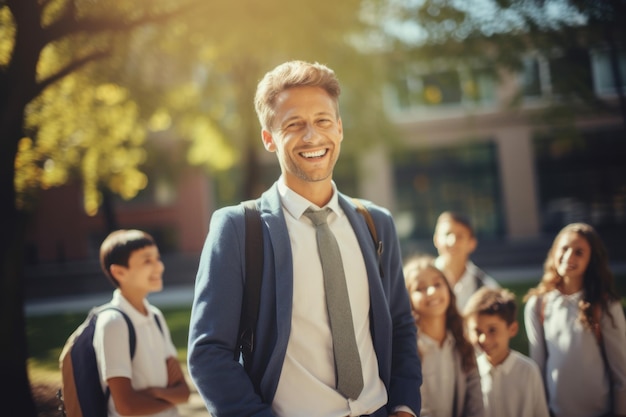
152, 382
455, 241
511, 382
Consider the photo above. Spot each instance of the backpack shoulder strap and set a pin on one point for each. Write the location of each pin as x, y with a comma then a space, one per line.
597, 329
252, 286
378, 244
132, 339
479, 276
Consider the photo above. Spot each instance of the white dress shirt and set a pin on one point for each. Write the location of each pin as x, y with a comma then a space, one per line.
307, 381
437, 375
512, 389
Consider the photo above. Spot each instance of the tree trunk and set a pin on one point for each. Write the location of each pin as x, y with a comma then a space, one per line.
17, 399
17, 88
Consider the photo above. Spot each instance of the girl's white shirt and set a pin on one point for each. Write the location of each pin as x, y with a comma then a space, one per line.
437, 375
576, 378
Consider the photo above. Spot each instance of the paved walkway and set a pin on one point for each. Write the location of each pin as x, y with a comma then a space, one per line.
183, 295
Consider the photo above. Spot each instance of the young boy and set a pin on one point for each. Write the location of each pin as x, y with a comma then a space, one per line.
511, 382
455, 241
152, 383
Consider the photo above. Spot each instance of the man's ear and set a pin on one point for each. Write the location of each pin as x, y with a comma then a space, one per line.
118, 272
513, 329
268, 141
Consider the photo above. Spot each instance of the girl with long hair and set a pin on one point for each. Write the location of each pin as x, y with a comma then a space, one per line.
451, 382
576, 327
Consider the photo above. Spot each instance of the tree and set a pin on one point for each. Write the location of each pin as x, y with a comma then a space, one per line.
36, 30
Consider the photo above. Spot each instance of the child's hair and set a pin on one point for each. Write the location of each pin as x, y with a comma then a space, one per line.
598, 282
118, 246
457, 218
414, 266
493, 302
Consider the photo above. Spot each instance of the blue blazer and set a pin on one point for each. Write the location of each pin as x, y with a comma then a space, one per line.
226, 388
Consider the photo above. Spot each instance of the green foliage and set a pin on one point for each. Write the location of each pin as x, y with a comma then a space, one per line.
121, 79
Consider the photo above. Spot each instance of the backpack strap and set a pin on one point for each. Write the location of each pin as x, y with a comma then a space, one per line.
597, 330
252, 285
378, 244
479, 277
132, 338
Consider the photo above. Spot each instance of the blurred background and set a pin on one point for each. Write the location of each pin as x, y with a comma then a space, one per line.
139, 114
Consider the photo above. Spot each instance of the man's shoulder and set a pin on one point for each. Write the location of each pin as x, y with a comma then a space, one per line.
375, 209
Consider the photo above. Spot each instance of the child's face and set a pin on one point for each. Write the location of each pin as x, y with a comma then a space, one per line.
571, 256
492, 334
144, 272
453, 239
429, 293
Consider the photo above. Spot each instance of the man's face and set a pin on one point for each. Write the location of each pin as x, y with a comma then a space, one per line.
306, 135
492, 334
453, 239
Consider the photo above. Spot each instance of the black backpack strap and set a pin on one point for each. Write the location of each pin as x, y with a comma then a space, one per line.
252, 286
479, 277
158, 322
378, 244
132, 339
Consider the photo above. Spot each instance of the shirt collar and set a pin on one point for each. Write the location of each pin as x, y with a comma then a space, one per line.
296, 205
566, 299
486, 367
120, 301
429, 343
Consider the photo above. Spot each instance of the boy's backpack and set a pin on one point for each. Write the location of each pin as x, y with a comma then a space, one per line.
81, 392
254, 272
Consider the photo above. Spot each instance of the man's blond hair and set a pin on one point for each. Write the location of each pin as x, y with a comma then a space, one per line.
289, 75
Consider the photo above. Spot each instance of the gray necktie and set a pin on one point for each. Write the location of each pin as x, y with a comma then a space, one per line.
347, 360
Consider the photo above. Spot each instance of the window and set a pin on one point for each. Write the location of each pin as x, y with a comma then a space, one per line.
570, 72
582, 177
531, 78
604, 79
415, 89
462, 178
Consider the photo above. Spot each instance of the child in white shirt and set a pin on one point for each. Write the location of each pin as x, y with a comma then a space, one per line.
451, 383
511, 382
152, 382
455, 241
576, 328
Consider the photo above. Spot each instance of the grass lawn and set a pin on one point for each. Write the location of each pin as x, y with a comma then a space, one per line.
47, 334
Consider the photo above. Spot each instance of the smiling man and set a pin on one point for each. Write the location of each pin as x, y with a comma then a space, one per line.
335, 337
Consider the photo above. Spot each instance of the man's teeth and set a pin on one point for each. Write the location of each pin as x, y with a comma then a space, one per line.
315, 154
